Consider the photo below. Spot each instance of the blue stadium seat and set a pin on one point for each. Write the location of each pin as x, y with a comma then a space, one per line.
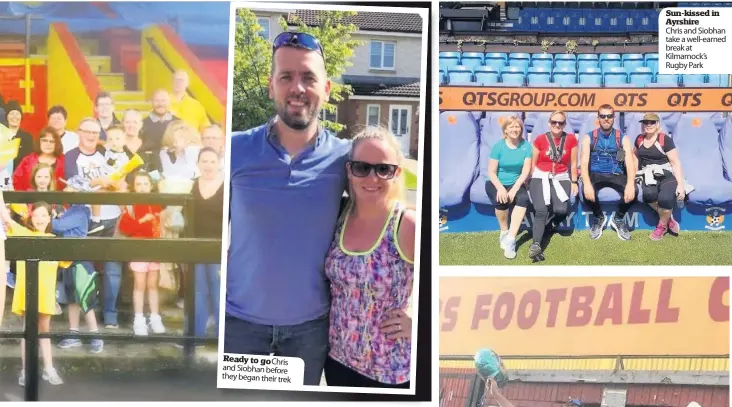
667, 79
513, 75
692, 79
486, 75
575, 121
608, 61
459, 147
542, 61
583, 64
541, 124
443, 77
460, 74
633, 126
564, 76
591, 77
496, 64
632, 61
472, 59
641, 76
697, 144
449, 59
670, 119
718, 80
538, 76
501, 56
519, 59
652, 61
490, 134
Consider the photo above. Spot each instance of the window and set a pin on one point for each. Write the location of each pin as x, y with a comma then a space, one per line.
331, 117
382, 55
264, 23
373, 115
399, 124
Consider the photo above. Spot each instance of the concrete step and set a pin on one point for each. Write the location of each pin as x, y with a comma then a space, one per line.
100, 63
112, 82
139, 105
128, 96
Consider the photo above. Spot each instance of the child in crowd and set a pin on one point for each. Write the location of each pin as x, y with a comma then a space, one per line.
39, 225
143, 221
117, 156
78, 288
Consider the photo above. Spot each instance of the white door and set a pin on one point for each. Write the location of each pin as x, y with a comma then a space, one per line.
400, 120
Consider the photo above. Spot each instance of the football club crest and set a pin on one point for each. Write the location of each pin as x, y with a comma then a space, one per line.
443, 220
715, 218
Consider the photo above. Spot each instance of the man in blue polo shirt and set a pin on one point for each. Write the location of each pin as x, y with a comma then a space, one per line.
607, 161
287, 180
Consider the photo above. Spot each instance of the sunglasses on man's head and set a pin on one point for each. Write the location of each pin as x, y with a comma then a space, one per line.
362, 169
556, 123
297, 40
605, 116
648, 122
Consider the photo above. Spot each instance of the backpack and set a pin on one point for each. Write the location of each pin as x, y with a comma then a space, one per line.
658, 144
595, 136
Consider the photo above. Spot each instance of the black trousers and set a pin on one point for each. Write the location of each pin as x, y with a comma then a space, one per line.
336, 374
615, 182
558, 208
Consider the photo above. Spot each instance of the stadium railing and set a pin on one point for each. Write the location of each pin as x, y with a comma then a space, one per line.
32, 250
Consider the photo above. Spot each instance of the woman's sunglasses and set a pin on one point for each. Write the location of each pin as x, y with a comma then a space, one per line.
648, 122
362, 169
297, 40
556, 123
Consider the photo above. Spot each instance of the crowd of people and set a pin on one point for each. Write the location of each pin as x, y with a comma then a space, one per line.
550, 170
175, 149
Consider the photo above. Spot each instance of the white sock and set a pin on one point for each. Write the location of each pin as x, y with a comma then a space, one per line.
139, 315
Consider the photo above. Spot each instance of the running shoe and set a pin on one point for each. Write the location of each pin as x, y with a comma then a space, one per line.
509, 248
52, 377
597, 228
674, 226
621, 228
659, 232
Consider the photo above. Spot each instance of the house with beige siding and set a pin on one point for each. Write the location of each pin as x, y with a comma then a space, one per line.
385, 72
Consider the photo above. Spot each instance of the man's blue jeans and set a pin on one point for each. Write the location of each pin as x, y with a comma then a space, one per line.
307, 341
112, 278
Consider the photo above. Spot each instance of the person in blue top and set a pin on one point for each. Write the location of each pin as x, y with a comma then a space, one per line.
287, 178
607, 161
509, 166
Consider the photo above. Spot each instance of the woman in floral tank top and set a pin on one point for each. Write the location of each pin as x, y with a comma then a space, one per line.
370, 268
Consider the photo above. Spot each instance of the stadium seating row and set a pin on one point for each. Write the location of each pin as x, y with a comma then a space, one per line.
591, 77
581, 62
585, 20
467, 137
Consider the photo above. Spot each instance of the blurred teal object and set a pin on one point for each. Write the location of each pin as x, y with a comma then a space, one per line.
489, 365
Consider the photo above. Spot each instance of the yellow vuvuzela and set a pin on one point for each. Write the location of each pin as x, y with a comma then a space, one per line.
131, 165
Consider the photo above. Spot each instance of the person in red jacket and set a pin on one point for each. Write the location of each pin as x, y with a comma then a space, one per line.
143, 221
47, 149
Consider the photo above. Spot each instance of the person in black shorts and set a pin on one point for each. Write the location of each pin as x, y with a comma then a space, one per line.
607, 161
659, 173
509, 167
